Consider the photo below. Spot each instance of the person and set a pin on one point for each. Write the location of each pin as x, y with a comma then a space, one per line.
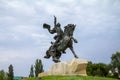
59, 34
57, 29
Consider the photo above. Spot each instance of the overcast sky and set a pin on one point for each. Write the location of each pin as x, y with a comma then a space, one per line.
23, 39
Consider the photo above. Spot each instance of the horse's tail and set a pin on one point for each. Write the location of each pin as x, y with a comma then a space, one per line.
75, 40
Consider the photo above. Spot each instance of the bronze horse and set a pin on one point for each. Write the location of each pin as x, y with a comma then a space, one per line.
65, 42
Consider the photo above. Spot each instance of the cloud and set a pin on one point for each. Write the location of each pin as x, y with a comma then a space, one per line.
18, 8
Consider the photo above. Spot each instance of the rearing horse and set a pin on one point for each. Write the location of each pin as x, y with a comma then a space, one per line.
63, 44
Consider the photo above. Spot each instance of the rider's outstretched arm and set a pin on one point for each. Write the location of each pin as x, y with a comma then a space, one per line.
55, 21
53, 31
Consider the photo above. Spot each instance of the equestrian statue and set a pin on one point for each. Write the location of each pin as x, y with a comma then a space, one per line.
63, 40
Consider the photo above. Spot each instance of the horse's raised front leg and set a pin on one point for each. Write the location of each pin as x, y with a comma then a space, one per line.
71, 48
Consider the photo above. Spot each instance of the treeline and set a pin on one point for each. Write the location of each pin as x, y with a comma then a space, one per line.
93, 69
34, 71
7, 75
105, 70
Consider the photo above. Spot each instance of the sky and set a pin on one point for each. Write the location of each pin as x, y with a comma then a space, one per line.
23, 39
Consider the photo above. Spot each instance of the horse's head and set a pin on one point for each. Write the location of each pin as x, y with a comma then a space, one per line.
69, 29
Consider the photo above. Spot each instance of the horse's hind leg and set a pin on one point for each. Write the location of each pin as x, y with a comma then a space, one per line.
71, 48
58, 55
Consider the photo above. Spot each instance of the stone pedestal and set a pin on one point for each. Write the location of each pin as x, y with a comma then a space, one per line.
74, 67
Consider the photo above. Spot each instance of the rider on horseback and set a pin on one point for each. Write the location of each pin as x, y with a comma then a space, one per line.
57, 29
63, 40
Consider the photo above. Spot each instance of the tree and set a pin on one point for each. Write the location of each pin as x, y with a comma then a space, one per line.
115, 64
38, 67
10, 72
31, 71
89, 68
97, 69
103, 69
3, 75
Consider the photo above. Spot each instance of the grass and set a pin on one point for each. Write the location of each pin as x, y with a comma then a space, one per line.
71, 78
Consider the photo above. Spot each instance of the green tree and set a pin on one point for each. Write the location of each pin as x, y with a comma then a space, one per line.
31, 71
97, 69
38, 67
3, 75
115, 64
102, 69
10, 72
89, 68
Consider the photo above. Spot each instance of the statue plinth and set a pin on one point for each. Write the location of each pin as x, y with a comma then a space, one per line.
74, 67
